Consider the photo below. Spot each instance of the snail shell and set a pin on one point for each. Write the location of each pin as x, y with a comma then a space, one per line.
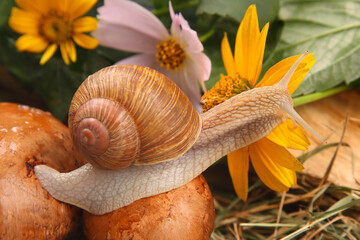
124, 115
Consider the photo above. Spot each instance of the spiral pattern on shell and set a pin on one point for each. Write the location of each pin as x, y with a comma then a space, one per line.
123, 115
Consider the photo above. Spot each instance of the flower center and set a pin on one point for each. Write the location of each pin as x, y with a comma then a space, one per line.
170, 54
55, 27
227, 87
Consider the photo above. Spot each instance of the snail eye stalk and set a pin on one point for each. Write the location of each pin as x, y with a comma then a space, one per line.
287, 107
295, 117
286, 79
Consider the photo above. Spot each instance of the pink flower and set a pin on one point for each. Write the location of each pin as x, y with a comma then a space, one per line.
127, 26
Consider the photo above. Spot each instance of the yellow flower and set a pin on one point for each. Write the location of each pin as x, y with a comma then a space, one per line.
46, 24
273, 163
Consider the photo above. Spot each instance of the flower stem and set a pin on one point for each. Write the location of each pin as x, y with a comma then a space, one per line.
204, 37
161, 11
318, 95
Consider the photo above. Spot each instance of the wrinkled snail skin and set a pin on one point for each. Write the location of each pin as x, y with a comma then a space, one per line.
235, 123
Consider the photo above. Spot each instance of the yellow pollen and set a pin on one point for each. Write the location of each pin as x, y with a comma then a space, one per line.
227, 87
55, 27
170, 54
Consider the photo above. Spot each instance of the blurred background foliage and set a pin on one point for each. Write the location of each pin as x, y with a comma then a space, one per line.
328, 28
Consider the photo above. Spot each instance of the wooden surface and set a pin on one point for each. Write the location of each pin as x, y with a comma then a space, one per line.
327, 117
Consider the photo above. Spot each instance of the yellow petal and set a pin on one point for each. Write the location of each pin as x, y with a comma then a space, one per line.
62, 6
70, 49
48, 53
273, 175
238, 163
27, 5
40, 6
276, 72
289, 136
259, 55
84, 24
80, 7
64, 53
227, 56
249, 46
279, 155
85, 41
24, 22
31, 43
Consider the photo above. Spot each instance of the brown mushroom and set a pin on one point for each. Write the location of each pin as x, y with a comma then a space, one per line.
28, 137
183, 213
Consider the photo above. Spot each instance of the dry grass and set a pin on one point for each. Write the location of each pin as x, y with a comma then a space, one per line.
306, 212
315, 209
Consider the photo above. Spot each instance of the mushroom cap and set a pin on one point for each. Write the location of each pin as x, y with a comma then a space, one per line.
28, 137
183, 213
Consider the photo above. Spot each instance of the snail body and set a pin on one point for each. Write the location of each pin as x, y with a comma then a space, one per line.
233, 124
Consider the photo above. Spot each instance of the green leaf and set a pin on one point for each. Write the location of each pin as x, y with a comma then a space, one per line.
5, 10
267, 10
341, 202
316, 197
341, 206
329, 29
317, 150
55, 82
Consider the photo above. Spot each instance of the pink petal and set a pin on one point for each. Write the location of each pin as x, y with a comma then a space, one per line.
196, 69
130, 15
184, 79
183, 34
178, 18
124, 38
149, 60
145, 59
199, 65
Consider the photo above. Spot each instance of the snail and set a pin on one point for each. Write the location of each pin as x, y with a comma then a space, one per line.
157, 161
